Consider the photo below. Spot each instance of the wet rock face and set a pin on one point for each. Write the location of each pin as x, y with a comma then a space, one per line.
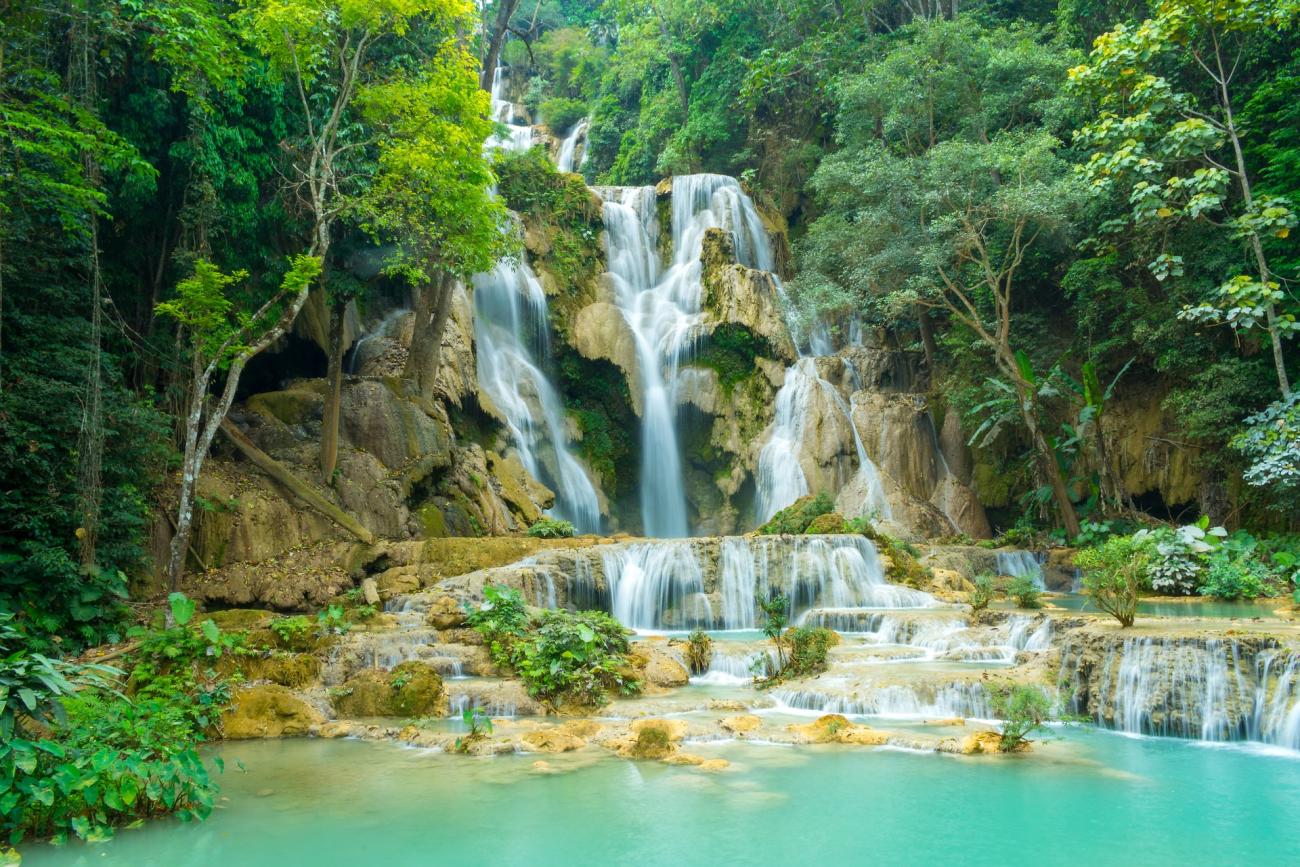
268, 711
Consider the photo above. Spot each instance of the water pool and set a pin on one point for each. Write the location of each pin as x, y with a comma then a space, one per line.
1091, 797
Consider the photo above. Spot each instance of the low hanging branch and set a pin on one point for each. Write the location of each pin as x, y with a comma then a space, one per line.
223, 338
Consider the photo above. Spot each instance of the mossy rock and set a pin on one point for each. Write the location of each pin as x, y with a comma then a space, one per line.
294, 670
267, 711
830, 523
240, 619
796, 517
412, 689
292, 407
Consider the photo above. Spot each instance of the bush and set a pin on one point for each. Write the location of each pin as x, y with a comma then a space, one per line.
1240, 577
809, 649
551, 528
1023, 710
81, 756
699, 651
1180, 556
796, 517
294, 633
1025, 592
1114, 572
564, 658
560, 114
983, 593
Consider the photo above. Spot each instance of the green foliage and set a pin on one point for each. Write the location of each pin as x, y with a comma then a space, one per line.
560, 205
1023, 710
1026, 593
796, 517
809, 647
479, 725
564, 658
1115, 572
1271, 442
560, 114
551, 528
1239, 577
775, 613
983, 593
730, 352
81, 757
699, 651
294, 633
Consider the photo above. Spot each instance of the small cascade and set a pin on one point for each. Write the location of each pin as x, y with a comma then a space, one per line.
360, 350
922, 700
1210, 689
662, 310
564, 161
1018, 563
518, 137
684, 584
730, 668
510, 330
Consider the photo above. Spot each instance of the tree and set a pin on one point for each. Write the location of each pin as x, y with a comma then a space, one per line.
496, 35
948, 180
1175, 154
430, 192
222, 338
331, 53
1114, 572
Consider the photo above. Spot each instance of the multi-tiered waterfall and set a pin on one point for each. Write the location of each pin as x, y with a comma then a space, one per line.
510, 328
662, 309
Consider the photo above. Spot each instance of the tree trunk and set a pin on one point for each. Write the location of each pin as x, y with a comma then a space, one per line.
505, 10
432, 310
1046, 456
927, 338
191, 464
296, 486
329, 434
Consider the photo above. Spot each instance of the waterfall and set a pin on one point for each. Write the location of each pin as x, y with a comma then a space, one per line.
1018, 563
673, 585
510, 330
662, 310
382, 329
1211, 690
518, 137
568, 147
922, 700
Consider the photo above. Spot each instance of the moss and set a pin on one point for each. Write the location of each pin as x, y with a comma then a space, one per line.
560, 208
598, 399
730, 352
294, 670
432, 521
831, 522
799, 515
652, 742
905, 568
412, 689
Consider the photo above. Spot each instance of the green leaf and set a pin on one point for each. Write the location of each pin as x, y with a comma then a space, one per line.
182, 608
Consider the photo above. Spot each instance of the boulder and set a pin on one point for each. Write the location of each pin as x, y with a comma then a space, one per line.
552, 740
835, 728
601, 332
661, 668
412, 689
987, 743
267, 711
445, 613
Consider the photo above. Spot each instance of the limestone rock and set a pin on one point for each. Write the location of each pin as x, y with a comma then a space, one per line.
988, 742
445, 613
737, 295
835, 728
661, 668
552, 740
740, 725
601, 332
267, 711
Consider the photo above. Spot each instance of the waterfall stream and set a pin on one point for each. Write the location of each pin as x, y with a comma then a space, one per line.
662, 310
510, 329
564, 161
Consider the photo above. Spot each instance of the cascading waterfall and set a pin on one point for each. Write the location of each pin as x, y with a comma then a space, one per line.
1212, 690
510, 329
564, 161
518, 137
659, 585
662, 310
1018, 563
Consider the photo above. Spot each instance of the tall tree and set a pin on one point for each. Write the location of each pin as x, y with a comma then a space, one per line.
330, 53
1167, 139
223, 338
